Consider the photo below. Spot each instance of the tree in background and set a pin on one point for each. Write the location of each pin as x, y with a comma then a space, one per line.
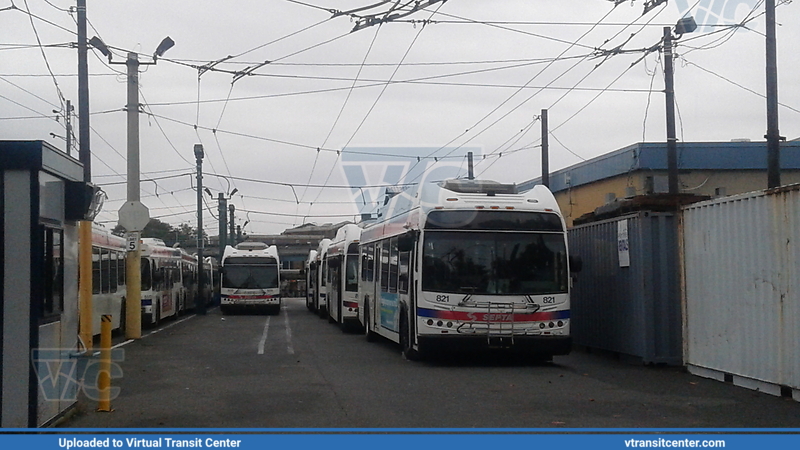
184, 234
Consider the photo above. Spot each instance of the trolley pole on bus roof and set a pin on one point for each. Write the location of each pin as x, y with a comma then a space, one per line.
200, 301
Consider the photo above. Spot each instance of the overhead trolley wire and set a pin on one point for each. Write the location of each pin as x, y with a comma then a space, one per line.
380, 95
485, 117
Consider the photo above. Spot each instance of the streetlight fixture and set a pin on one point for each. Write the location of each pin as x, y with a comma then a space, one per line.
166, 44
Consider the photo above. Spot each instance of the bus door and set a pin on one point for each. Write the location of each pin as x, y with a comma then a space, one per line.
334, 288
389, 299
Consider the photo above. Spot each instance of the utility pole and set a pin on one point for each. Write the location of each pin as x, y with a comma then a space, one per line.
133, 266
85, 156
773, 135
133, 215
545, 150
200, 305
232, 238
223, 224
669, 90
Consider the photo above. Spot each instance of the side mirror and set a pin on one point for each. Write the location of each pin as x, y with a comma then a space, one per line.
575, 263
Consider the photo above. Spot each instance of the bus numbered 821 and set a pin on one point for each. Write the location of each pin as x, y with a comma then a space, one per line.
466, 265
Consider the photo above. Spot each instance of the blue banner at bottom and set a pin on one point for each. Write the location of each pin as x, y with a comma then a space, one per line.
397, 439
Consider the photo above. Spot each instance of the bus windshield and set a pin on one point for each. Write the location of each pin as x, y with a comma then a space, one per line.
250, 276
494, 263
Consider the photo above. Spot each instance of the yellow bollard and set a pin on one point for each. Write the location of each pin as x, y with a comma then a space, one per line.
104, 376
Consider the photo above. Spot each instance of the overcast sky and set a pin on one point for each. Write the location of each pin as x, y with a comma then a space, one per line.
456, 76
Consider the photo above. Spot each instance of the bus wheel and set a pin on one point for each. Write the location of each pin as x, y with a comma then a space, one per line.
225, 310
368, 333
405, 339
322, 311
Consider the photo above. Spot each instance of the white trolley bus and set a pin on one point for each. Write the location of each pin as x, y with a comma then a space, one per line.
250, 278
342, 277
467, 264
311, 279
320, 268
164, 289
108, 277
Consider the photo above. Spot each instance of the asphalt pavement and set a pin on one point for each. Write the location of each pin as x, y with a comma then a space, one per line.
295, 370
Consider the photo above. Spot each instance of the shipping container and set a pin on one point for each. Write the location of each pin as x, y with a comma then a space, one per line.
741, 280
627, 298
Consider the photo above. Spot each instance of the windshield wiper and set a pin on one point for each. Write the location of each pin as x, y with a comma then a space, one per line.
529, 300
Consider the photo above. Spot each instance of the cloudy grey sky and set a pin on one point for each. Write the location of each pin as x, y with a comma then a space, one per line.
456, 76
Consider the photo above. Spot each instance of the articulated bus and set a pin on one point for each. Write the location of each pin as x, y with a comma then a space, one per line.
467, 265
311, 278
320, 301
342, 277
250, 278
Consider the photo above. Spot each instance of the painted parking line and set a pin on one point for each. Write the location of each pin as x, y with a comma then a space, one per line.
264, 337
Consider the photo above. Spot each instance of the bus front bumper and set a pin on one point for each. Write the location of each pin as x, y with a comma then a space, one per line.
525, 344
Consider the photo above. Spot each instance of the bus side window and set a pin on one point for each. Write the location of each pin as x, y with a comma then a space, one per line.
112, 274
121, 269
371, 262
158, 279
364, 263
96, 270
405, 258
384, 255
393, 264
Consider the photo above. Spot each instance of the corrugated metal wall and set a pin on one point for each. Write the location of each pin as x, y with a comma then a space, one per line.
632, 310
742, 280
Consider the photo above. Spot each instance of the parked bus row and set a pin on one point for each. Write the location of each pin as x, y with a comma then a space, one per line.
168, 279
457, 265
